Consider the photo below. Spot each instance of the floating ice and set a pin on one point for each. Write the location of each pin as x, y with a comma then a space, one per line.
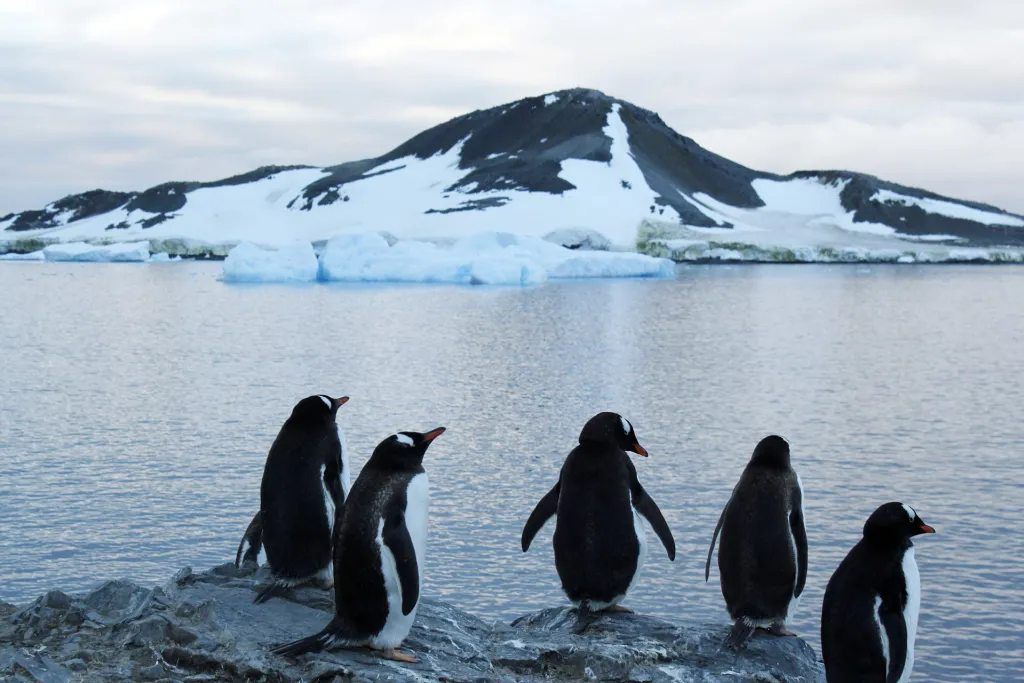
81, 251
163, 257
493, 258
31, 256
290, 263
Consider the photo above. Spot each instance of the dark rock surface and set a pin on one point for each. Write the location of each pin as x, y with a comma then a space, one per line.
204, 627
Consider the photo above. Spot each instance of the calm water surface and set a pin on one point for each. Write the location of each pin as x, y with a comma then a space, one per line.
137, 403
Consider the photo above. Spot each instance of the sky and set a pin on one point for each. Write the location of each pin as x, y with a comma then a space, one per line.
127, 94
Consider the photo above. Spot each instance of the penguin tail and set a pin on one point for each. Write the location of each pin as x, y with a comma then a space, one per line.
738, 635
585, 616
268, 592
331, 635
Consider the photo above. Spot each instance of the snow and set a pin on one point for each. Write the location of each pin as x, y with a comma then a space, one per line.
950, 209
550, 99
31, 256
81, 251
492, 258
248, 262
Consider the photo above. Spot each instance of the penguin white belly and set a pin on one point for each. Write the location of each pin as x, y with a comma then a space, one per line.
398, 625
910, 613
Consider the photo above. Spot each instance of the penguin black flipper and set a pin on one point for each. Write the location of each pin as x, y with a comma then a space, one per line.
396, 537
894, 628
254, 536
332, 480
796, 525
714, 540
646, 506
544, 511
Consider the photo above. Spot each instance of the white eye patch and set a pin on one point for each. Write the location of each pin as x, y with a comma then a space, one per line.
626, 427
326, 401
910, 511
403, 439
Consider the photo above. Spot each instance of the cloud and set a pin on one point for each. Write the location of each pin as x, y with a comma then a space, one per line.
107, 93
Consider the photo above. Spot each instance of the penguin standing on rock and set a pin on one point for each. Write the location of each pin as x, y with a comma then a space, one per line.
305, 481
379, 554
763, 555
869, 614
599, 541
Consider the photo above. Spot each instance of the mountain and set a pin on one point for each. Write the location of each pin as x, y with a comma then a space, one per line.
565, 165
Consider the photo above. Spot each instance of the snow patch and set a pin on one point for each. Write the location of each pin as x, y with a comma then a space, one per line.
81, 251
550, 99
248, 262
949, 209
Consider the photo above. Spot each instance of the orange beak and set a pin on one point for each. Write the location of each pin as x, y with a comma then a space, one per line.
433, 434
640, 450
925, 529
339, 402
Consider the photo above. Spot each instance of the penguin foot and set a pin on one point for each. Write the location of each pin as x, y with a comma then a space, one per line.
619, 608
397, 656
779, 630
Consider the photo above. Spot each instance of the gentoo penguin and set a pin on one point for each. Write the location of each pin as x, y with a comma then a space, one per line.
379, 553
762, 560
600, 543
305, 481
869, 615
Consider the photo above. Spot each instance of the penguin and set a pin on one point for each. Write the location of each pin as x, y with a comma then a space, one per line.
599, 541
869, 614
305, 482
762, 561
379, 554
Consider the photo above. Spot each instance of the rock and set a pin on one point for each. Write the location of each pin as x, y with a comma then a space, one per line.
149, 631
205, 627
57, 600
76, 664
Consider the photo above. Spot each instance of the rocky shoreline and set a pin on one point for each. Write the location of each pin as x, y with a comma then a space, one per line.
204, 627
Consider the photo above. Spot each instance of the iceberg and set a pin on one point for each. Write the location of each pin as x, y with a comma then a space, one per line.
249, 262
134, 252
491, 258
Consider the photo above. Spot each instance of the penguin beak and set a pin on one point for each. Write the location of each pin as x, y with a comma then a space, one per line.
925, 529
638, 449
339, 402
433, 434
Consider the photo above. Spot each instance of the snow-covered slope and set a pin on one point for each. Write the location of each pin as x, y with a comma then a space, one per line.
577, 166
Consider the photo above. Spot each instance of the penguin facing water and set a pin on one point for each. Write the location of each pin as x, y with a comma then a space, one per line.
870, 611
599, 540
379, 554
305, 481
762, 560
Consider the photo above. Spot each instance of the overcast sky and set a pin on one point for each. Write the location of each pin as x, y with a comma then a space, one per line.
127, 94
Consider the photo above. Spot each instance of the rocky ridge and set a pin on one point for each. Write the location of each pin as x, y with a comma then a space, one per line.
204, 627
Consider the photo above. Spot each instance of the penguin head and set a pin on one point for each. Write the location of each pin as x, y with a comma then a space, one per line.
317, 408
612, 428
404, 450
771, 451
895, 521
